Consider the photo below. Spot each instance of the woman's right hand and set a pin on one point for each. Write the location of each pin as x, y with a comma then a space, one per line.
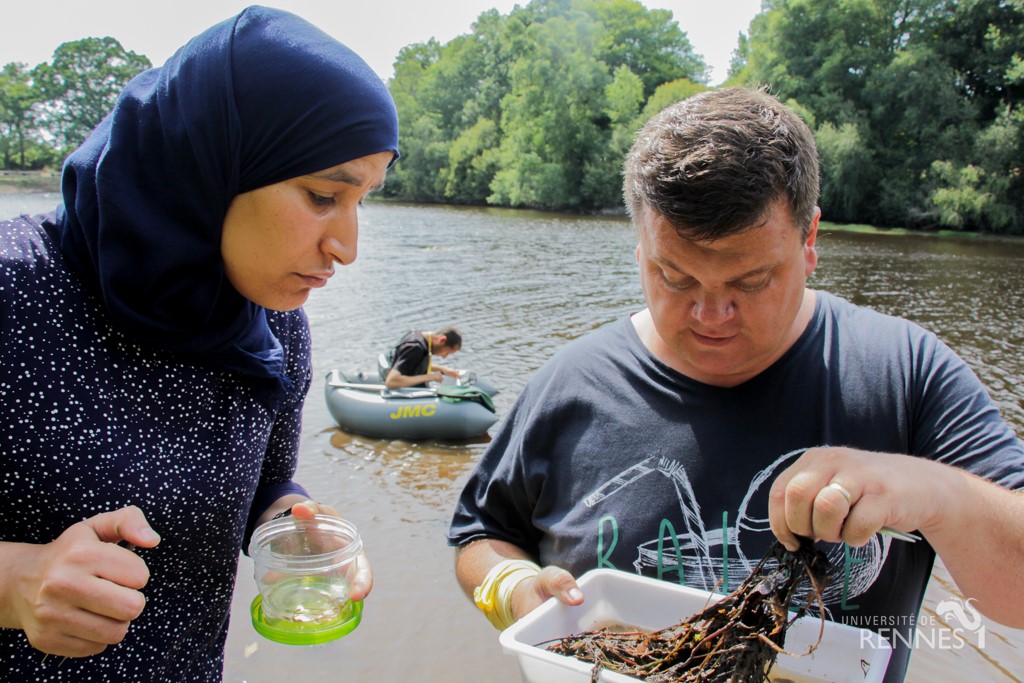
79, 593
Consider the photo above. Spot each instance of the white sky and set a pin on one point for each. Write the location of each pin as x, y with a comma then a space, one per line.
30, 30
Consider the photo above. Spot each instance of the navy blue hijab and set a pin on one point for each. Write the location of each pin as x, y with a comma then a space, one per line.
260, 98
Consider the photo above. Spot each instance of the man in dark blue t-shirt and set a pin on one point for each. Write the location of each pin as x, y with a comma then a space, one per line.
741, 406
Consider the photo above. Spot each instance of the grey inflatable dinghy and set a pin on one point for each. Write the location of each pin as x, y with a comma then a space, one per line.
452, 411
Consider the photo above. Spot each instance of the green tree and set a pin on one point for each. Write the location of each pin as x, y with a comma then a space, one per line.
420, 162
648, 42
16, 99
81, 85
624, 96
916, 116
669, 93
472, 162
929, 90
846, 171
553, 118
738, 60
983, 186
534, 108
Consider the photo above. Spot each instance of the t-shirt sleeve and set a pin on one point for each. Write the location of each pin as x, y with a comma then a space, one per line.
408, 358
496, 501
957, 422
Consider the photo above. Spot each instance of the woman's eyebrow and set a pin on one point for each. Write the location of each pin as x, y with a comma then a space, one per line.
338, 175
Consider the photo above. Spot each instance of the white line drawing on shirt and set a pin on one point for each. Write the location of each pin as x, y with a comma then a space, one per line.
619, 481
696, 554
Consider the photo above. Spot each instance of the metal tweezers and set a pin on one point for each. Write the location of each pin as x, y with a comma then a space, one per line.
899, 535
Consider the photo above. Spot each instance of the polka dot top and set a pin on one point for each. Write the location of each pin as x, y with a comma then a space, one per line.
91, 422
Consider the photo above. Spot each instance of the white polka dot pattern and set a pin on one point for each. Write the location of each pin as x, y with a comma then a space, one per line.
91, 422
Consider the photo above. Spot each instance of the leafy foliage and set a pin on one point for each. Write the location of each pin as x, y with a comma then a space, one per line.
16, 100
536, 108
47, 111
81, 85
918, 105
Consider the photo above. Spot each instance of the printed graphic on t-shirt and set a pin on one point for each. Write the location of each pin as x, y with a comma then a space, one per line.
718, 558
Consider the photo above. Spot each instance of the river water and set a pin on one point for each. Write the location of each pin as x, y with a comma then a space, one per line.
520, 285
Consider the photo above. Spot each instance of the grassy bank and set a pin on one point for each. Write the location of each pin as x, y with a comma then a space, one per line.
958, 234
29, 181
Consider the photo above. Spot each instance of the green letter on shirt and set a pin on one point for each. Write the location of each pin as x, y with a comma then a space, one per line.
602, 554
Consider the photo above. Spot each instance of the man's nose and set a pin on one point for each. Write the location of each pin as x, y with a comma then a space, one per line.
713, 308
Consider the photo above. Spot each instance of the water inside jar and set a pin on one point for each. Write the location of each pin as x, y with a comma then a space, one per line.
307, 599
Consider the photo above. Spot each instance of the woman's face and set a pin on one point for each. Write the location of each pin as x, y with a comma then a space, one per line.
281, 241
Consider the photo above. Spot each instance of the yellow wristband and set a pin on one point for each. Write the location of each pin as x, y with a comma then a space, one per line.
494, 595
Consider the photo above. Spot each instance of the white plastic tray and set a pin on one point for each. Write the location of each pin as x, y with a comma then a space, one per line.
842, 656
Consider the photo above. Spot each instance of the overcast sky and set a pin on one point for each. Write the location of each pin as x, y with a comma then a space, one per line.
30, 30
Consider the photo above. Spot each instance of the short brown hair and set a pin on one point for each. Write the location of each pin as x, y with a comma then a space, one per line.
715, 164
453, 338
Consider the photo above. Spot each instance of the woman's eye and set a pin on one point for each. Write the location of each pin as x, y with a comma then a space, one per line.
321, 200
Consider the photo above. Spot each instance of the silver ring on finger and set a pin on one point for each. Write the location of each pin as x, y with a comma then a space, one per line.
843, 490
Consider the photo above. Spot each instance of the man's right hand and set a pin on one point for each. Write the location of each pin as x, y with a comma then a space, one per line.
79, 593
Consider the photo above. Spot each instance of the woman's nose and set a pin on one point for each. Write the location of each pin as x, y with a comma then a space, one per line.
341, 240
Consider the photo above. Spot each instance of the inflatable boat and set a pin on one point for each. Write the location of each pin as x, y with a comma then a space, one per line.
361, 404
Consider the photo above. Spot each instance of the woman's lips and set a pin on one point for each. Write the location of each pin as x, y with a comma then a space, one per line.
317, 280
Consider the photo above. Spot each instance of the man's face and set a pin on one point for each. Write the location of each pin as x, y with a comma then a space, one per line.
723, 311
446, 351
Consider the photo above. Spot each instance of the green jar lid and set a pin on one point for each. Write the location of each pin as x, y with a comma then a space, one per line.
304, 633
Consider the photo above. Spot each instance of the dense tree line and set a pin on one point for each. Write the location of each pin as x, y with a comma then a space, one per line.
536, 108
917, 105
48, 110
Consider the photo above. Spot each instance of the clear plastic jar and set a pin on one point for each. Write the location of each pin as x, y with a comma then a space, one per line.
304, 570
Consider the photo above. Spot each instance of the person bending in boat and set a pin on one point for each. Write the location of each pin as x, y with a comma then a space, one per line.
156, 356
741, 406
412, 358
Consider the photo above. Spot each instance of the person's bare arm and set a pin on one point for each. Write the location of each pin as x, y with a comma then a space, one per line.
450, 372
396, 380
475, 559
975, 526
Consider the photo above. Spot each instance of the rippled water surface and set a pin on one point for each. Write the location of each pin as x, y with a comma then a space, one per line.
520, 285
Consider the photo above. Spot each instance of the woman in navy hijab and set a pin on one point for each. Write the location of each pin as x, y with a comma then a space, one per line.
155, 356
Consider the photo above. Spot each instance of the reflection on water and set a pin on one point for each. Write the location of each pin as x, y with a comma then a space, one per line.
969, 292
418, 469
520, 285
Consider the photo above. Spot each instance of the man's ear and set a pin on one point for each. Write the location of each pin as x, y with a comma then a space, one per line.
442, 340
